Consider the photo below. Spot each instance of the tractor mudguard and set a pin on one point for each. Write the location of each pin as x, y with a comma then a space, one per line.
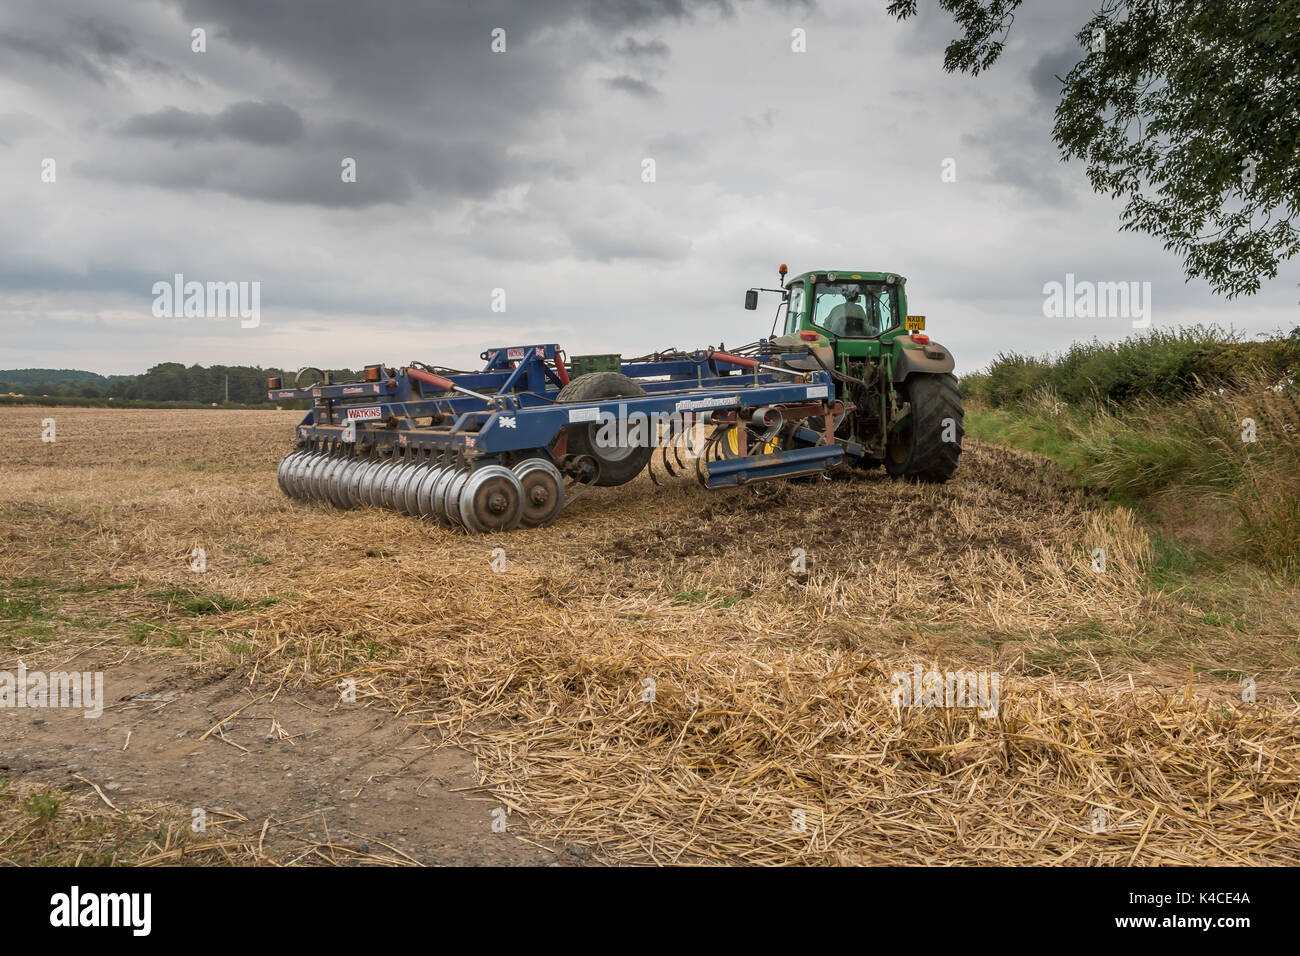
931, 359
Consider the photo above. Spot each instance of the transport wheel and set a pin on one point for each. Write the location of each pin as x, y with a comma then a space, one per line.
543, 491
619, 464
927, 444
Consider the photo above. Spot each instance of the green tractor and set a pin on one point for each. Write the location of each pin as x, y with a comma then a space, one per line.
902, 407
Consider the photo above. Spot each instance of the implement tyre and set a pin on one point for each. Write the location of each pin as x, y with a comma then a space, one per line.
618, 465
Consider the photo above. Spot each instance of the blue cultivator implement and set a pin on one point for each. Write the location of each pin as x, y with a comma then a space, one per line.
496, 449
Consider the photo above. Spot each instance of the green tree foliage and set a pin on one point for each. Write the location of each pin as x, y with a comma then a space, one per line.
172, 382
167, 382
1187, 112
53, 381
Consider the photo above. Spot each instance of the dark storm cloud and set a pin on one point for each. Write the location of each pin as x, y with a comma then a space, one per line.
170, 123
630, 84
1042, 183
654, 48
1017, 152
472, 170
90, 46
312, 177
113, 44
607, 242
390, 167
50, 52
263, 124
1046, 75
613, 13
1014, 147
616, 14
424, 91
1039, 25
110, 41
354, 134
925, 35
411, 90
413, 52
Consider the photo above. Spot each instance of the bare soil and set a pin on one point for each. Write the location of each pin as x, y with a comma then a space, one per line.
311, 769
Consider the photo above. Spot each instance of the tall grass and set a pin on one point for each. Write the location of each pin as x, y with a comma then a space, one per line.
1201, 446
1195, 449
1164, 414
1159, 364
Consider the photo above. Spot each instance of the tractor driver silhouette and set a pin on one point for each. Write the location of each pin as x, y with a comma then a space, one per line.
849, 319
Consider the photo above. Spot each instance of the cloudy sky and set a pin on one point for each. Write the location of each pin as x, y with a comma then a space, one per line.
522, 171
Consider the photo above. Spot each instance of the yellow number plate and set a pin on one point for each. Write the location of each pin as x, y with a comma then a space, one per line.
916, 323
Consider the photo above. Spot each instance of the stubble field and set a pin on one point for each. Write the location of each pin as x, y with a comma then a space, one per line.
650, 679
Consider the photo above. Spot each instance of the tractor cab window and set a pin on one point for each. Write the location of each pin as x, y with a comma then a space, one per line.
855, 310
793, 309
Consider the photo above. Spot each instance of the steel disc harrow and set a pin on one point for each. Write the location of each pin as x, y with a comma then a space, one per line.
489, 497
504, 448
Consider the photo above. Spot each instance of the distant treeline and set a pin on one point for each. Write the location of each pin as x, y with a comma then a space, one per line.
1160, 365
168, 382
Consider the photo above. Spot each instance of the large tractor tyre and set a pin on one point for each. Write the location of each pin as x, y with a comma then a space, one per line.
927, 444
618, 465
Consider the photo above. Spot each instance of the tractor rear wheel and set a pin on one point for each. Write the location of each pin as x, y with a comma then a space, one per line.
927, 443
618, 464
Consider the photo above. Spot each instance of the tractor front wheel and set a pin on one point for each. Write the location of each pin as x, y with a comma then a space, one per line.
927, 443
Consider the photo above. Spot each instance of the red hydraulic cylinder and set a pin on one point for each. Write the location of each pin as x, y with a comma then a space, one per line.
735, 359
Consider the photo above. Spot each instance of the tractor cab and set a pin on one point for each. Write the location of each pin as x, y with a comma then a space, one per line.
845, 305
855, 312
853, 309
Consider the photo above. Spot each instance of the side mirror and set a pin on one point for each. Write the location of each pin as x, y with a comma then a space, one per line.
751, 299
